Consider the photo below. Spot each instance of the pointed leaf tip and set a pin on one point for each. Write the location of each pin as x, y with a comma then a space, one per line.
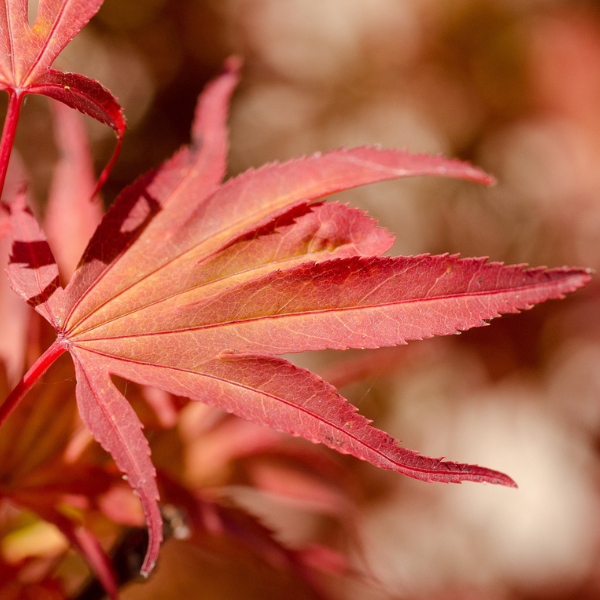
274, 392
233, 64
114, 425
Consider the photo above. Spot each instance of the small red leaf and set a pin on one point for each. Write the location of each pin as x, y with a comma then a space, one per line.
89, 97
86, 95
27, 53
212, 519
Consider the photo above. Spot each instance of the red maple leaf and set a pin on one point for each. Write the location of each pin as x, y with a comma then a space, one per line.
26, 55
196, 287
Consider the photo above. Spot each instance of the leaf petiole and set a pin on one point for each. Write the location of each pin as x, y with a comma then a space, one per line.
15, 99
40, 366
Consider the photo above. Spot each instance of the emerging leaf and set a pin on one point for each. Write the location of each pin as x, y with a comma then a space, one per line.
195, 287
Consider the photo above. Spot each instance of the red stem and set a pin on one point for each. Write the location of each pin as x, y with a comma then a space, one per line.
15, 99
40, 366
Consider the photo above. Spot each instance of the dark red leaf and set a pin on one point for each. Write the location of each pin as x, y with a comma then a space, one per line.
89, 97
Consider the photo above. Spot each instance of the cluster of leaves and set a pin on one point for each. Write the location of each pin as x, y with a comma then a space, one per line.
196, 288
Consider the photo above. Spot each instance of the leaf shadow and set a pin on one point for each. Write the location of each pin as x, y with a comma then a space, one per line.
45, 294
31, 254
124, 222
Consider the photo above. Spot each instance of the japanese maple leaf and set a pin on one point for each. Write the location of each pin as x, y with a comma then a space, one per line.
27, 53
196, 288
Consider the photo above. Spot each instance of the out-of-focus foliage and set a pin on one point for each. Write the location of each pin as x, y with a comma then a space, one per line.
514, 86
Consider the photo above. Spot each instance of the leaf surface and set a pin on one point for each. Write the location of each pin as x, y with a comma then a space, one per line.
194, 287
356, 302
148, 214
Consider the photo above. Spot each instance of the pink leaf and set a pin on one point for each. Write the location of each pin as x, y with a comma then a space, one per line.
14, 314
70, 217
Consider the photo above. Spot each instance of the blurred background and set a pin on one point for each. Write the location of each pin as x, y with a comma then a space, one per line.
514, 87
